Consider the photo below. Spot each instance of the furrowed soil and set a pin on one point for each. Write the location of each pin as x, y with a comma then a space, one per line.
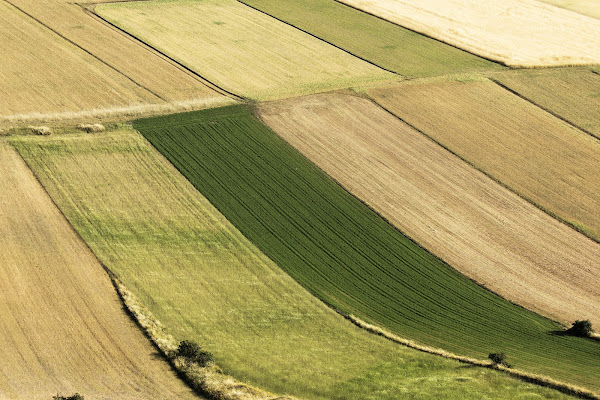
515, 32
540, 157
236, 45
207, 282
456, 212
62, 326
347, 255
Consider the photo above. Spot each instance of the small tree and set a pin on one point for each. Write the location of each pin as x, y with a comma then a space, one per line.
499, 359
76, 396
581, 328
191, 351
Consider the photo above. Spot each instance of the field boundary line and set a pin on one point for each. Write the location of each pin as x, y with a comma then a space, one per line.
90, 8
522, 375
510, 90
85, 50
498, 181
315, 36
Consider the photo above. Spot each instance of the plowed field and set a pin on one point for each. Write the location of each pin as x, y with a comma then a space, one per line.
62, 326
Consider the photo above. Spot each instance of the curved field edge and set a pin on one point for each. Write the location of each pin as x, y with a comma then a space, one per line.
347, 255
203, 280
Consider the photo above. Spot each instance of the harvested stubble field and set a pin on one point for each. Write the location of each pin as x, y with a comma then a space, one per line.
477, 226
572, 94
381, 42
347, 255
63, 328
241, 49
515, 32
542, 158
587, 7
206, 281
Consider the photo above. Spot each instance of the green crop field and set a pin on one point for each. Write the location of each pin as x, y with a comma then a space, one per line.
379, 41
346, 254
205, 281
235, 47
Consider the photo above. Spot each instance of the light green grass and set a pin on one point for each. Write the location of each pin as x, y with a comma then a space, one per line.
205, 281
241, 49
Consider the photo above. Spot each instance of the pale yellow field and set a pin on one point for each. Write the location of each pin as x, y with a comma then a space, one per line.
456, 212
63, 329
241, 49
587, 7
514, 32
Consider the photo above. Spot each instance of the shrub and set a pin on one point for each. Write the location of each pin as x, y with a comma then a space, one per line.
91, 128
76, 396
499, 359
40, 130
581, 328
192, 352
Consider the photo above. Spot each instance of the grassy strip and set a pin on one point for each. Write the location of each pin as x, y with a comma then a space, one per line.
346, 254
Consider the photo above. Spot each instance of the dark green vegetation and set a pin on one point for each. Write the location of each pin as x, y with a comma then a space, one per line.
346, 254
581, 329
76, 396
192, 351
381, 42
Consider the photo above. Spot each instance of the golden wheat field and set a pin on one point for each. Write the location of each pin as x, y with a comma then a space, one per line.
454, 211
63, 328
514, 32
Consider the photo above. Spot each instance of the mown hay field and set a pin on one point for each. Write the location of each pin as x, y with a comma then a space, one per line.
63, 328
515, 32
381, 42
571, 94
542, 158
477, 226
347, 255
207, 282
241, 49
587, 7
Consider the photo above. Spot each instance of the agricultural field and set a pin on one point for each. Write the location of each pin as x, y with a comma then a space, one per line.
348, 256
62, 326
586, 7
206, 281
381, 42
454, 211
518, 33
545, 160
237, 45
571, 94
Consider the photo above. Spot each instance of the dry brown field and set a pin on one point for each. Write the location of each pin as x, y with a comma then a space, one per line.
456, 212
587, 7
542, 158
514, 32
63, 329
571, 94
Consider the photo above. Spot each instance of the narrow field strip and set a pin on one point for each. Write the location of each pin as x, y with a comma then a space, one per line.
381, 42
205, 281
545, 160
237, 45
477, 226
518, 33
347, 255
62, 326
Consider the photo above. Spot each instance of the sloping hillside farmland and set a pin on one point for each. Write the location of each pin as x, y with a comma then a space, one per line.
63, 328
347, 255
587, 7
540, 157
571, 94
381, 42
514, 32
205, 281
237, 45
454, 211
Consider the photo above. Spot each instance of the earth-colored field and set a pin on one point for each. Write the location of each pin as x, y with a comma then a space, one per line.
537, 155
349, 256
240, 48
381, 42
572, 94
587, 7
63, 328
515, 32
205, 281
477, 226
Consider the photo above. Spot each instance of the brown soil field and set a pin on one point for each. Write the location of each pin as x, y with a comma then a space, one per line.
456, 212
514, 32
544, 159
571, 94
62, 326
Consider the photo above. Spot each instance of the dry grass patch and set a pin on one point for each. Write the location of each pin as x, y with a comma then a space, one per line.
514, 32
540, 157
477, 226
